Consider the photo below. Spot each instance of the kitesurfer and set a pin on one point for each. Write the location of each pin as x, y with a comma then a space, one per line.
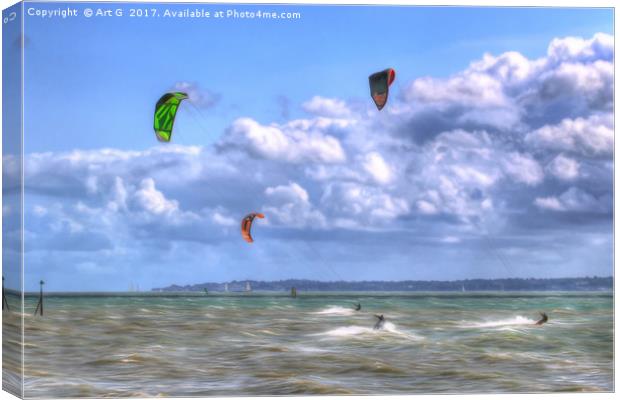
380, 322
358, 307
543, 318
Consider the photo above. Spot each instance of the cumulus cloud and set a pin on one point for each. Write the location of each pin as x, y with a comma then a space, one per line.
456, 173
564, 168
290, 192
290, 205
450, 239
549, 203
427, 207
378, 168
588, 136
575, 199
221, 219
523, 169
325, 107
466, 89
588, 83
295, 142
599, 47
152, 200
512, 92
358, 205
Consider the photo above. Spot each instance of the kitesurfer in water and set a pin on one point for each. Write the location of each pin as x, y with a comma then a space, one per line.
380, 322
543, 318
358, 307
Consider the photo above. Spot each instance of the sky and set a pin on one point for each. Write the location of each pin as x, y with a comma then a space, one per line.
492, 159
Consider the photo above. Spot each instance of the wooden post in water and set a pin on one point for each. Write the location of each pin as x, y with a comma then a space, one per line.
40, 304
4, 301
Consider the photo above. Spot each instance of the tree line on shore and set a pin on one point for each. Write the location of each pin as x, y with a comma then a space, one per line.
508, 284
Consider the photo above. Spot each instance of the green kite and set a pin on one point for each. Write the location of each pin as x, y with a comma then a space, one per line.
165, 113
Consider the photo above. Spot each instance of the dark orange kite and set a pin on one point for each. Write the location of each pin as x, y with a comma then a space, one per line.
246, 225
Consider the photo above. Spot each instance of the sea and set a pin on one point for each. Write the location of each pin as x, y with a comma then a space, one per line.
256, 344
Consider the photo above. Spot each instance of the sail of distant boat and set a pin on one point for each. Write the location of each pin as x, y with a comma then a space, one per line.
463, 288
226, 287
248, 288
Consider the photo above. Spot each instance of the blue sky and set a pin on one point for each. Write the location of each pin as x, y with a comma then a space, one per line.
487, 166
114, 70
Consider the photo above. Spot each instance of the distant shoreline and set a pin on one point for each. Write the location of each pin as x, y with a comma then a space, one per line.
507, 284
470, 287
259, 294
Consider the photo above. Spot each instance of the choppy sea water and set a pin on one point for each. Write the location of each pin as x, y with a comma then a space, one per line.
267, 344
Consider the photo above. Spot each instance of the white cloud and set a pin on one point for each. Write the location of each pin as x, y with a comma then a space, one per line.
523, 168
326, 107
296, 142
472, 175
378, 168
601, 46
450, 239
426, 207
591, 83
290, 205
154, 201
223, 220
457, 172
198, 96
510, 68
590, 136
366, 205
512, 92
469, 89
575, 199
119, 195
549, 203
91, 184
290, 192
564, 168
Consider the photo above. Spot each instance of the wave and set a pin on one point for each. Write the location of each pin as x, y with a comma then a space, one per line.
354, 330
335, 310
518, 320
308, 349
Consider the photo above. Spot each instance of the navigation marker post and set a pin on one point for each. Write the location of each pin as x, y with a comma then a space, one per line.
40, 303
4, 300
